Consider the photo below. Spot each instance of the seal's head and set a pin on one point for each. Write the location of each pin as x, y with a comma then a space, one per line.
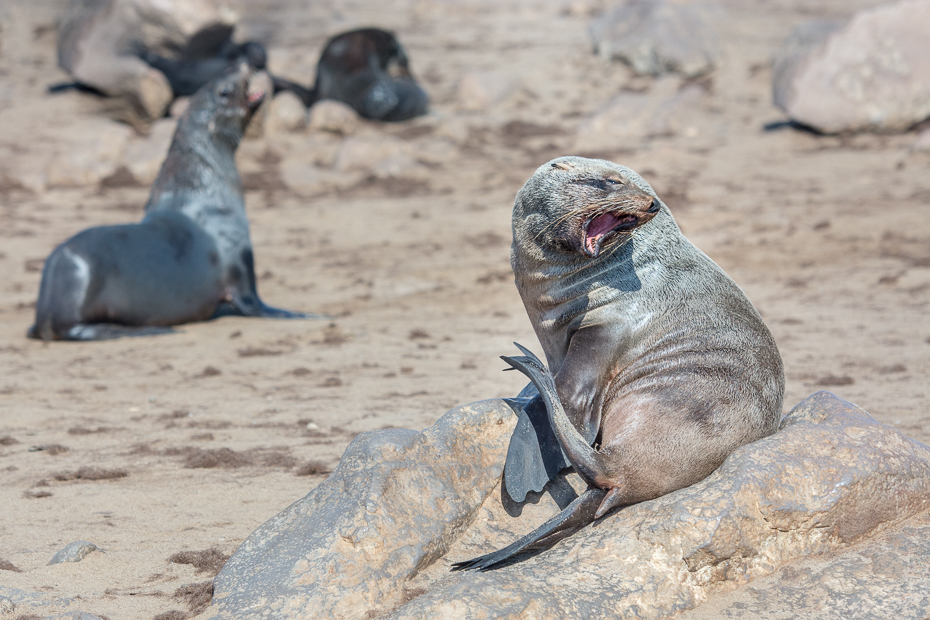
581, 207
226, 104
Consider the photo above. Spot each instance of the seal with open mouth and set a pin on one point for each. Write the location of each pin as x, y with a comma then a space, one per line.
190, 257
658, 365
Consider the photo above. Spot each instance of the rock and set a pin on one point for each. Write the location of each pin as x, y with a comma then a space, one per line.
870, 74
333, 116
377, 538
24, 601
86, 152
478, 91
885, 577
144, 155
97, 42
658, 36
179, 107
75, 552
922, 143
286, 113
395, 503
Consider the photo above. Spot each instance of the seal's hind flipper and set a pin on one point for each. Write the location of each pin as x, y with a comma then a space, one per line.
111, 331
534, 456
575, 516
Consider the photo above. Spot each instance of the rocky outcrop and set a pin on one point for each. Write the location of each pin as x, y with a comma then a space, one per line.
658, 36
378, 537
871, 73
395, 504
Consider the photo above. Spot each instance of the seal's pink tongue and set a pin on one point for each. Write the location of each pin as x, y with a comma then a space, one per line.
597, 228
256, 96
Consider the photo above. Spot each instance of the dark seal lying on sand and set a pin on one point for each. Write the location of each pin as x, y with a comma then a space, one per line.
190, 257
658, 365
368, 70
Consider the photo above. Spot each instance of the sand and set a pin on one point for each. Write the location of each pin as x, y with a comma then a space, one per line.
154, 447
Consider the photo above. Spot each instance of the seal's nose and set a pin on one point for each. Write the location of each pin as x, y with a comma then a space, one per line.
654, 207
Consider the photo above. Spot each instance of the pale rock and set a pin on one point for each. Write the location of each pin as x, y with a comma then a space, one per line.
659, 36
395, 503
883, 577
377, 538
74, 552
97, 40
478, 91
286, 113
23, 600
922, 143
334, 117
179, 107
871, 73
144, 155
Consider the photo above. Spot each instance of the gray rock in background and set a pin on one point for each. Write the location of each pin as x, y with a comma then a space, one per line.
365, 543
74, 552
658, 36
870, 74
396, 502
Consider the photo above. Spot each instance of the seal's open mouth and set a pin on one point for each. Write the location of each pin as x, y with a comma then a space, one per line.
599, 227
255, 98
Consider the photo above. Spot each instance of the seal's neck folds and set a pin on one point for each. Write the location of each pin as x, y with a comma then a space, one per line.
558, 286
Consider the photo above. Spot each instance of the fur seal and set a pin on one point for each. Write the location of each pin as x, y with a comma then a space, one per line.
658, 365
189, 259
188, 74
368, 70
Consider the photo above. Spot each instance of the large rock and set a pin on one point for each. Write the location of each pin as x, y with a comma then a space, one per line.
870, 74
97, 40
658, 36
883, 577
395, 504
376, 540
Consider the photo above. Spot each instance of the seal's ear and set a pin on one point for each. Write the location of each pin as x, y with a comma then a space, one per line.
561, 165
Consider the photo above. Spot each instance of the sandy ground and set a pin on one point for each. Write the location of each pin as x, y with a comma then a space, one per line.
187, 442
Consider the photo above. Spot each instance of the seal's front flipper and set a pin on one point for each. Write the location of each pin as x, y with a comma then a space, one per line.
111, 331
534, 456
270, 312
251, 305
578, 514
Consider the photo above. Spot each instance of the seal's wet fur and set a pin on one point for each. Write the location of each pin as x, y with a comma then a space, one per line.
658, 365
191, 255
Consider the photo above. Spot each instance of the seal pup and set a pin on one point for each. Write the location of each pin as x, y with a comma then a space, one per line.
658, 365
367, 69
189, 259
